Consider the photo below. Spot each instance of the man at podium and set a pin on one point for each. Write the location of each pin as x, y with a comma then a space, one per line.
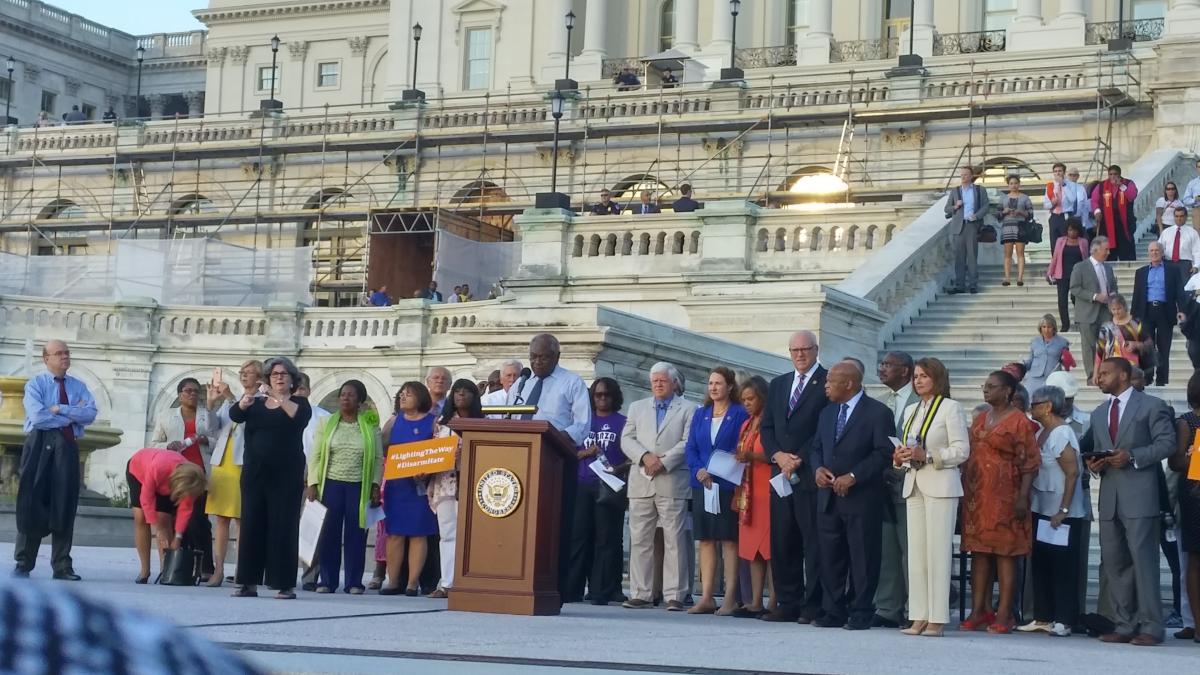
561, 399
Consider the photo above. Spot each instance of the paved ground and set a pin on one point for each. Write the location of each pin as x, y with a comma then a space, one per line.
376, 634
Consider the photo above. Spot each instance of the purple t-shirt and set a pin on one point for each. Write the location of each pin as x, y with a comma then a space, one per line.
606, 433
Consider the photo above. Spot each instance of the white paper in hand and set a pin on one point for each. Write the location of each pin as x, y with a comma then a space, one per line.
610, 480
895, 441
1051, 535
1193, 284
311, 521
374, 515
725, 465
712, 500
781, 485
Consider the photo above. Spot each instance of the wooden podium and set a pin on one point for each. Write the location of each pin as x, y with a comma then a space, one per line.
509, 508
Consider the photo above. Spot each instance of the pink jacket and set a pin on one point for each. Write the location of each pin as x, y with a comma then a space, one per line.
1054, 271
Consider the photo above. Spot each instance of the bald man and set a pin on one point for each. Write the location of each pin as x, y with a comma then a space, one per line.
57, 409
851, 454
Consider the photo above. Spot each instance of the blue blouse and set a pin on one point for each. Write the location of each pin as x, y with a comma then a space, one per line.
700, 446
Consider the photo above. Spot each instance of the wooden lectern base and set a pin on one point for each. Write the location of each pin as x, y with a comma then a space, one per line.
539, 603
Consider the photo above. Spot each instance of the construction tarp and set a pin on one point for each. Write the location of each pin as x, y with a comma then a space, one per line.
479, 264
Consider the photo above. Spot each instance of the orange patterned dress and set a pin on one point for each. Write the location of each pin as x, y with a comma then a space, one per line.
1000, 456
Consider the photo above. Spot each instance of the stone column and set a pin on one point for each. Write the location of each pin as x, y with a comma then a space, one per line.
813, 48
1029, 12
687, 18
1027, 32
722, 31
1073, 9
922, 30
590, 63
1183, 19
556, 26
157, 103
195, 101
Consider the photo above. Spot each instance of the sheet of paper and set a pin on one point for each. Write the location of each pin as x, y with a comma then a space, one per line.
311, 520
610, 480
374, 515
781, 485
895, 441
1053, 536
1193, 283
712, 500
725, 465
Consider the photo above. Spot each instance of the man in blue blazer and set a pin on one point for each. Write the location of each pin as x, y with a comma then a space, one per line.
851, 453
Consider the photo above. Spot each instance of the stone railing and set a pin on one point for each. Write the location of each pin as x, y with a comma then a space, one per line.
848, 51
1140, 30
872, 305
946, 44
766, 57
76, 29
173, 45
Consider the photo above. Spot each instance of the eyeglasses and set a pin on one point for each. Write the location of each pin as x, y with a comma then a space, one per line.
802, 350
279, 373
1038, 403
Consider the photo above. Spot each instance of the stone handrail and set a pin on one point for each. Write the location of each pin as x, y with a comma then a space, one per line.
868, 308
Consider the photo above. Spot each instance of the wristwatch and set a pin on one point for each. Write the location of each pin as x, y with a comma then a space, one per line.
1064, 510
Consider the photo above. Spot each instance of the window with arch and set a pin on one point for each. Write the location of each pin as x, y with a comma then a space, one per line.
60, 208
666, 25
629, 190
192, 205
329, 197
480, 192
997, 170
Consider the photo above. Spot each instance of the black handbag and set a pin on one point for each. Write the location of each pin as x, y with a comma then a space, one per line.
987, 234
617, 499
181, 567
1030, 232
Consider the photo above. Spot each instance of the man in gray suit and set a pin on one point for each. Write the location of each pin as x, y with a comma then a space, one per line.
895, 372
654, 437
966, 206
1134, 433
1092, 285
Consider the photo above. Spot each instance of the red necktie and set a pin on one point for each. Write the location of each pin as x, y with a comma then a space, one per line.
1175, 248
67, 431
1114, 419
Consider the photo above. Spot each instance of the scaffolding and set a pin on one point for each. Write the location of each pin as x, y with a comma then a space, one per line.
331, 178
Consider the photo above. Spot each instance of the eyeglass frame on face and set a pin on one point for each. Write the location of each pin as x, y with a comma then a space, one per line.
274, 372
1033, 403
802, 350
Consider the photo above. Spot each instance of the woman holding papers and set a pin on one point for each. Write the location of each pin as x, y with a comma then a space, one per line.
752, 501
597, 532
442, 488
934, 442
715, 429
1058, 506
409, 519
345, 474
1187, 461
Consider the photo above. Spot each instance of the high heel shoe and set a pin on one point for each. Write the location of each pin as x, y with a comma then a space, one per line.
1001, 628
917, 628
145, 579
929, 631
980, 623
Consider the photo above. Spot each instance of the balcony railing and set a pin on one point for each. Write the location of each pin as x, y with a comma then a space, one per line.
1140, 30
766, 57
945, 44
864, 50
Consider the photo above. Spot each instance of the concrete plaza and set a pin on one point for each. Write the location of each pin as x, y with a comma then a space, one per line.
374, 634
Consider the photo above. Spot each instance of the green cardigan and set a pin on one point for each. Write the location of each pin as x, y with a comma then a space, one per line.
373, 456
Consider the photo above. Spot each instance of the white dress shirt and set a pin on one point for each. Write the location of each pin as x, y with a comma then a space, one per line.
1101, 276
897, 401
1189, 243
564, 402
850, 405
808, 378
310, 431
1191, 193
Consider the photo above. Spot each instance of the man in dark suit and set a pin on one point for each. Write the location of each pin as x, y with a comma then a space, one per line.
685, 203
851, 453
1158, 303
1092, 284
646, 206
606, 206
794, 403
891, 597
966, 206
1136, 433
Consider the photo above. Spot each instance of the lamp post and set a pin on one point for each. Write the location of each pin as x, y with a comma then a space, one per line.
911, 63
415, 94
11, 65
566, 83
733, 72
137, 99
1121, 42
272, 104
554, 199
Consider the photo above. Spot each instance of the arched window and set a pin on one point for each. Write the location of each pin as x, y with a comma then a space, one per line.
997, 170
480, 192
192, 205
60, 208
628, 190
666, 25
328, 196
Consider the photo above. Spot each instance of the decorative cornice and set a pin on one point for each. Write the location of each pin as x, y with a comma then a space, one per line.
240, 14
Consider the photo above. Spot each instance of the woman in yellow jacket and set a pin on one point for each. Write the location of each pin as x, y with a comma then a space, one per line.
345, 474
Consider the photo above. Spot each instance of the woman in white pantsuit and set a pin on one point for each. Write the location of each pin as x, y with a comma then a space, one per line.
936, 441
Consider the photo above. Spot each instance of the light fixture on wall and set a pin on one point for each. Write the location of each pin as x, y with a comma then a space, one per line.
414, 94
733, 72
271, 103
566, 83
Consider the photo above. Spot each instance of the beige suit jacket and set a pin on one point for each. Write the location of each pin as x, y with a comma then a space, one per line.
948, 445
642, 435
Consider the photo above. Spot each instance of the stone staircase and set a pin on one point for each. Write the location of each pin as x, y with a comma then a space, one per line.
976, 334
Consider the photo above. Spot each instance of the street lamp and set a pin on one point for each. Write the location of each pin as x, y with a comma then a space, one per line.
415, 94
137, 100
911, 63
11, 65
1121, 42
271, 103
554, 199
567, 84
733, 72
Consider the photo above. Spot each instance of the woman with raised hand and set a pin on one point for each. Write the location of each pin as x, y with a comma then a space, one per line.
345, 473
272, 481
224, 499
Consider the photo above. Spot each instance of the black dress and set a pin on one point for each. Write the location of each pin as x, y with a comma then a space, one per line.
1189, 502
272, 493
1071, 256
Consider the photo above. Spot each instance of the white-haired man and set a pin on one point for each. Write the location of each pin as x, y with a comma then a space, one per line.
510, 371
653, 439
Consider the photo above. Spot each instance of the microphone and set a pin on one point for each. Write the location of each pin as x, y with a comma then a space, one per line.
525, 374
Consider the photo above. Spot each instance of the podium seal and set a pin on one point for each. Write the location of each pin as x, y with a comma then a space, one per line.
498, 492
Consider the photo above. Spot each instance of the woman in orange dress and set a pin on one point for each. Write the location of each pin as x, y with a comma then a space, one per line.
996, 523
752, 500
